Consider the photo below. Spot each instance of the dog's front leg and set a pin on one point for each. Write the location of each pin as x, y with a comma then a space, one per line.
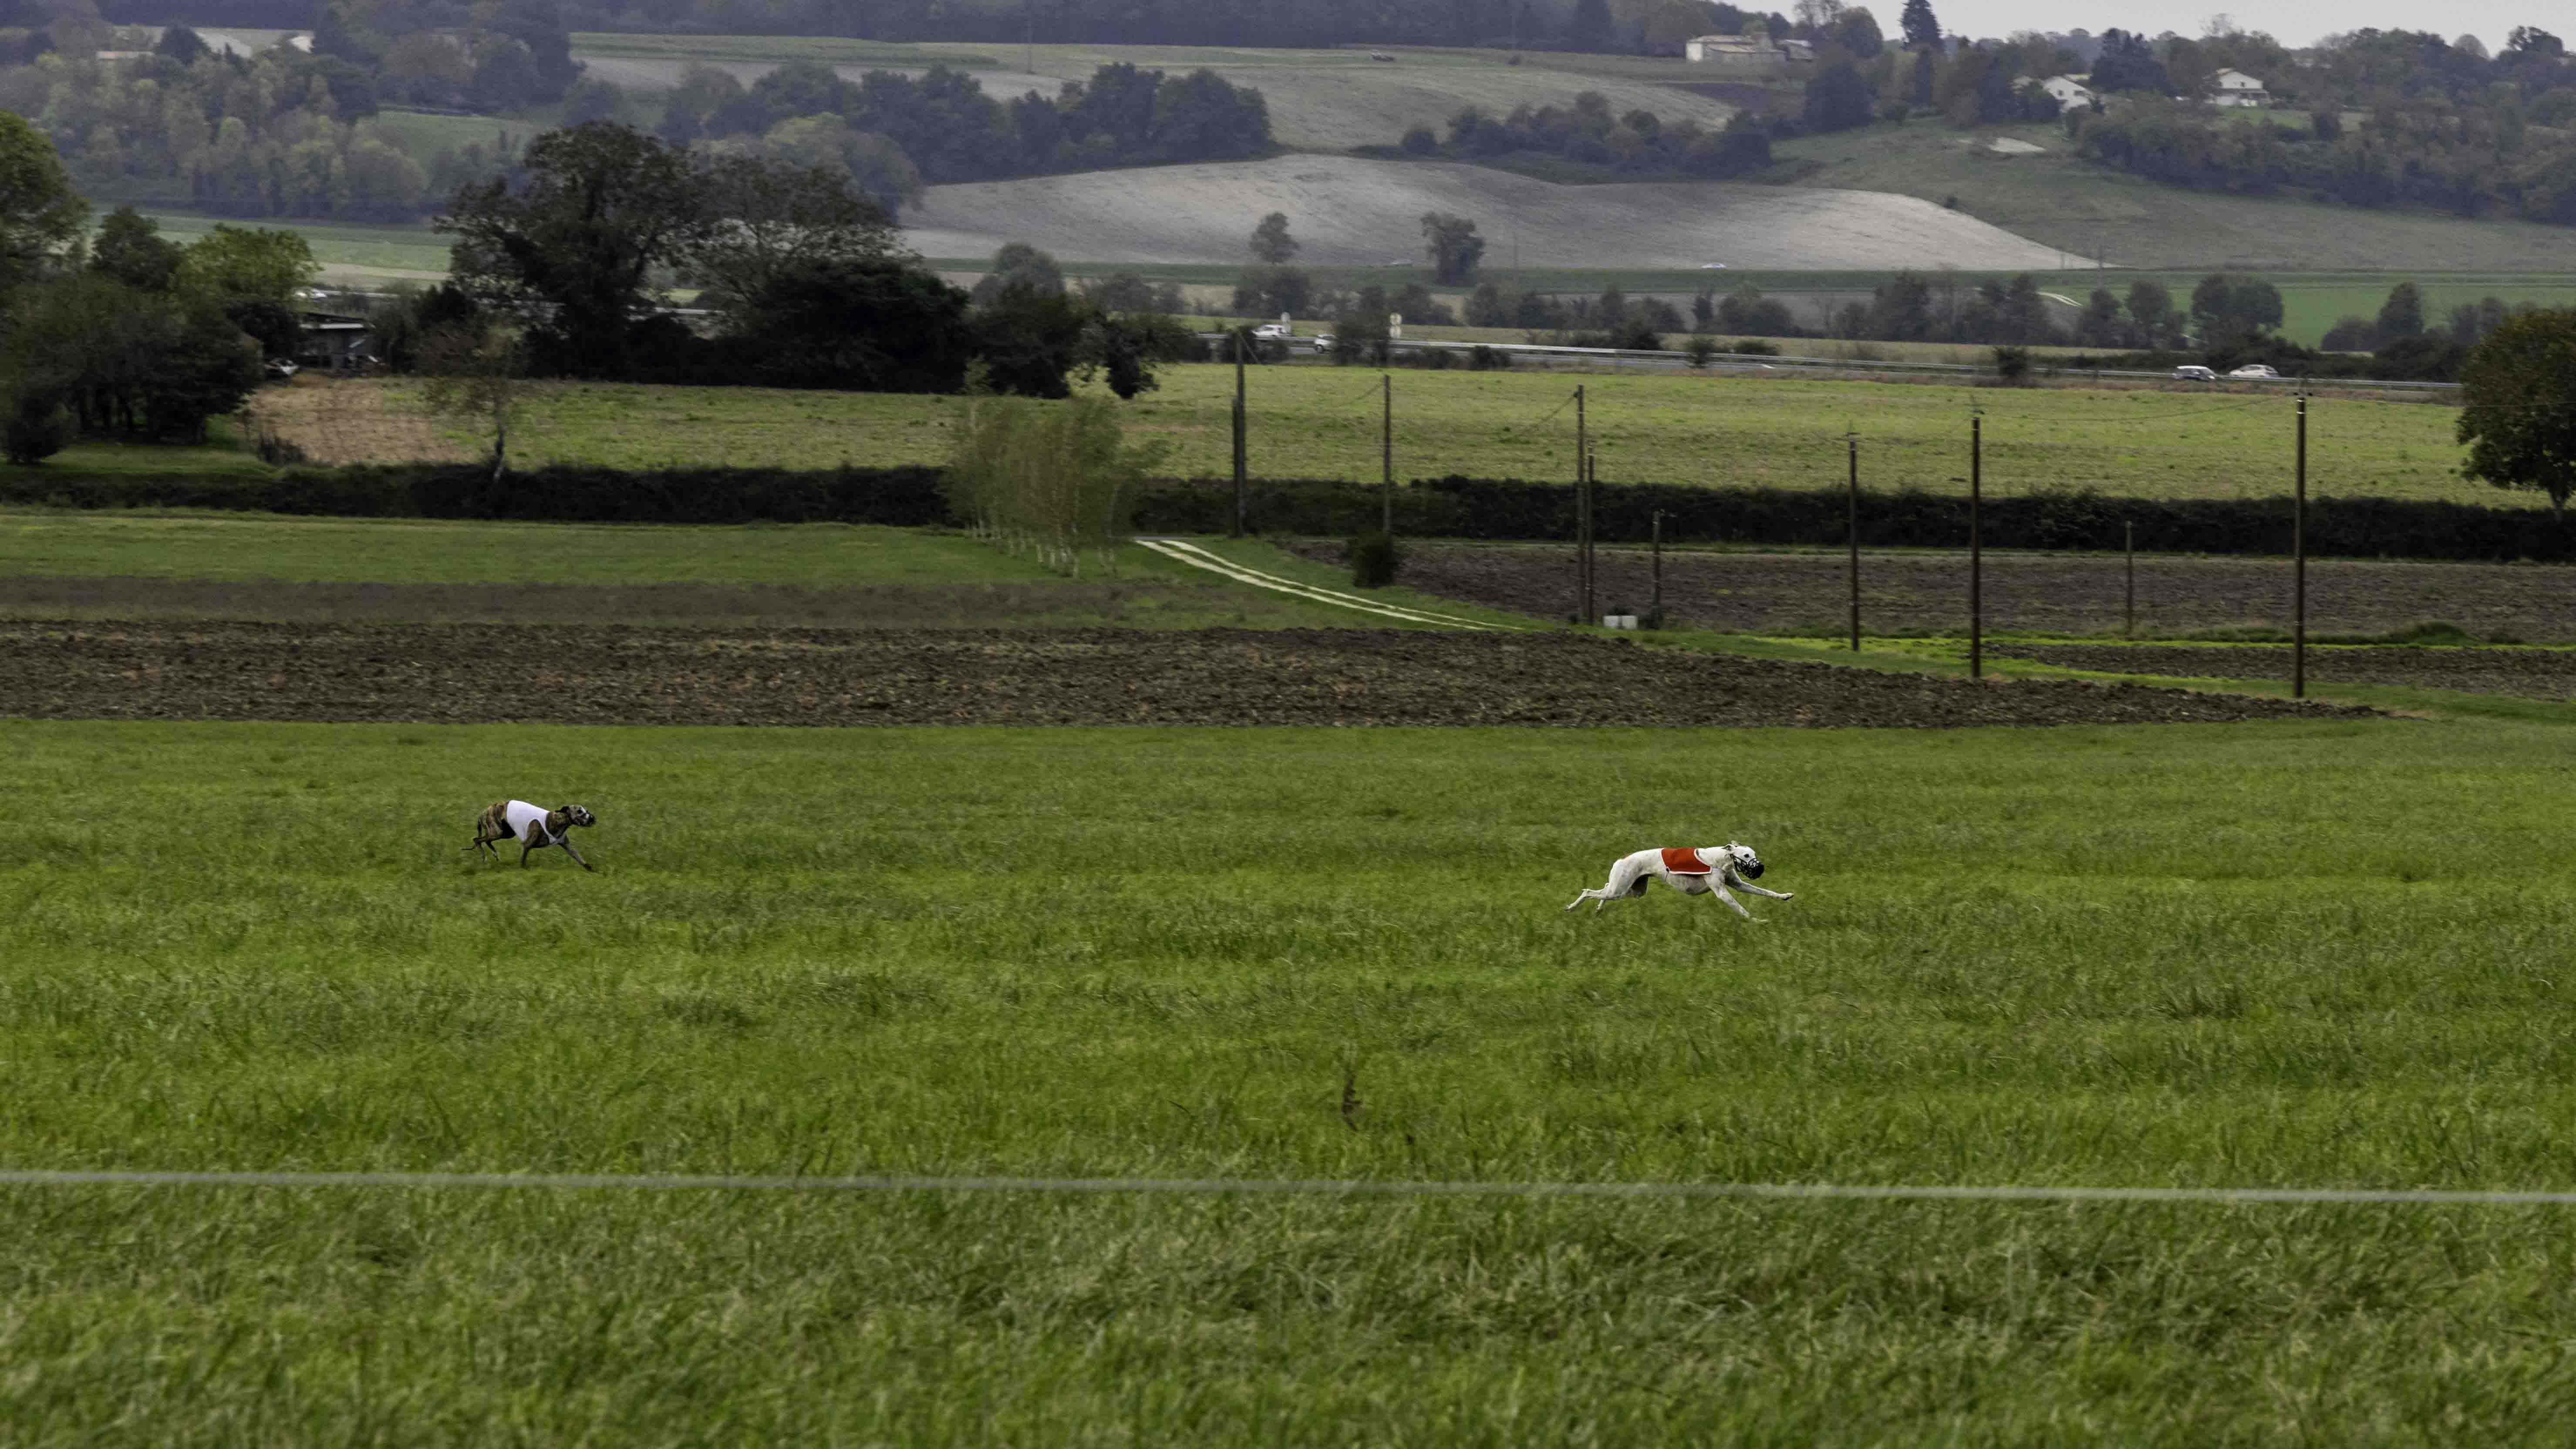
566, 842
1719, 890
1759, 891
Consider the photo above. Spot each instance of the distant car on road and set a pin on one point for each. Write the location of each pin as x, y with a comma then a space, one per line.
1269, 331
2254, 369
2193, 372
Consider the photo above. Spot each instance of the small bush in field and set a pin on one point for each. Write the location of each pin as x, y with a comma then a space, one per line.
1374, 559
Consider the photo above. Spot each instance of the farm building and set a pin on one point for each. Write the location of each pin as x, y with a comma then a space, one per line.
2236, 88
2067, 91
1756, 54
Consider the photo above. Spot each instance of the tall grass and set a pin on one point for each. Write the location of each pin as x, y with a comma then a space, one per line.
2313, 954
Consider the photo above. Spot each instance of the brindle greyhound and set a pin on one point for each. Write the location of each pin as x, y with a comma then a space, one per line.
532, 826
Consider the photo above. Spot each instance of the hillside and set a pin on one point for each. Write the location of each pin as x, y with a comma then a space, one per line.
1348, 211
1319, 100
2050, 196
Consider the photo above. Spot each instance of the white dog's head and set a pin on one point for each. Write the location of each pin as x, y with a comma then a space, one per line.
1741, 860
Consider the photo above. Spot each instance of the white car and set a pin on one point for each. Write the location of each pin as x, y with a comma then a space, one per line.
1271, 331
2194, 372
2254, 369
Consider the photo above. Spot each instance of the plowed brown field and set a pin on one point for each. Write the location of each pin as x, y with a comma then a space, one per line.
1756, 593
2530, 673
610, 674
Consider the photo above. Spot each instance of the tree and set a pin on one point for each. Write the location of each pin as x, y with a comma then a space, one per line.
505, 77
1453, 245
593, 100
130, 250
1919, 25
1589, 27
2402, 315
478, 372
2127, 63
2151, 309
770, 215
868, 324
1031, 339
2233, 309
538, 25
1271, 243
1274, 292
2518, 413
571, 249
40, 214
1019, 265
1857, 31
181, 44
252, 276
1837, 99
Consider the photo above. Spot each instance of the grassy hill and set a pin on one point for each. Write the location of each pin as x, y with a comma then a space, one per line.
2092, 211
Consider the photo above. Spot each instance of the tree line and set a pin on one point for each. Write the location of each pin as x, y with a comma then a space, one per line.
1596, 143
894, 134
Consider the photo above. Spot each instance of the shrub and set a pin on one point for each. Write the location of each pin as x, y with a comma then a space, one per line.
1755, 347
1420, 141
38, 428
1481, 358
1700, 349
2012, 364
1374, 559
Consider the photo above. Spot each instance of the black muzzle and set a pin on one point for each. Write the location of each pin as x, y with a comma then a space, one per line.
1750, 872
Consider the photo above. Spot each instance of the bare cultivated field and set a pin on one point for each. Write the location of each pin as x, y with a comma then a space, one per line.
1757, 593
1347, 211
585, 674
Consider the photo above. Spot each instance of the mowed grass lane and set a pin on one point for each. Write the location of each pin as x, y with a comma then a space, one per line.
1323, 422
2309, 954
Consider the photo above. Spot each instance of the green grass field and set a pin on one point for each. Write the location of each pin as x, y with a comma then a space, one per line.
2273, 955
1323, 422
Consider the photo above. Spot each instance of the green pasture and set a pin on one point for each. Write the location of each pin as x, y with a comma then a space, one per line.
231, 547
335, 244
857, 575
1315, 421
424, 135
2302, 954
2095, 212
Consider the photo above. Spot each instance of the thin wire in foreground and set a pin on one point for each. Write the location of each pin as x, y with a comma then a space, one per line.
1315, 1187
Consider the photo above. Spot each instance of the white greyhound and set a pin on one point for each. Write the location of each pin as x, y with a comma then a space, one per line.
1708, 870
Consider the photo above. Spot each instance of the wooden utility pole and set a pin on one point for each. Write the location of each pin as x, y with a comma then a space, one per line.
2299, 564
1658, 605
1582, 512
1976, 547
1238, 433
1591, 520
1386, 456
1851, 525
2129, 597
